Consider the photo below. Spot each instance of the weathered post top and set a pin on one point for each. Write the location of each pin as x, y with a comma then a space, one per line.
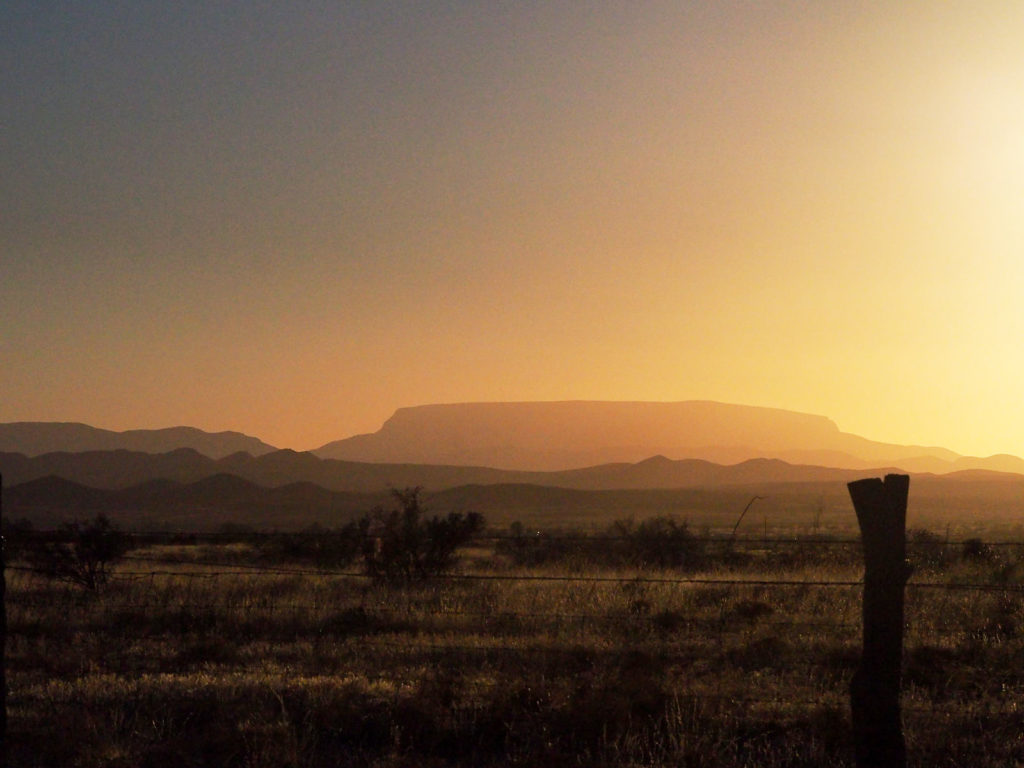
881, 508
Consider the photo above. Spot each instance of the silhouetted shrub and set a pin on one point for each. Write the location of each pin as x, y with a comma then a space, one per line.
16, 537
534, 548
317, 546
658, 542
926, 549
975, 549
231, 531
403, 544
81, 553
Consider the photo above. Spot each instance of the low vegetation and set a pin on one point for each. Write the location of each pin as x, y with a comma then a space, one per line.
643, 644
81, 552
403, 544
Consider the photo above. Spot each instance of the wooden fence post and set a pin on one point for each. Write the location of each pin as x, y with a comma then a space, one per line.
3, 635
875, 689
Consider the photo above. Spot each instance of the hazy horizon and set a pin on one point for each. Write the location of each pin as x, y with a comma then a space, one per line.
607, 430
290, 222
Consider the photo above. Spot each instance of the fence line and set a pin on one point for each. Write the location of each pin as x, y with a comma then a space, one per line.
375, 611
194, 537
671, 620
240, 569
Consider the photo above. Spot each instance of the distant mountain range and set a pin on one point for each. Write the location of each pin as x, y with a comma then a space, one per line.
567, 435
520, 437
554, 464
791, 496
34, 438
118, 470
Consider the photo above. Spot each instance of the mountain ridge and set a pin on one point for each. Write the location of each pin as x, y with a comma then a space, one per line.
117, 470
224, 499
35, 438
540, 436
574, 434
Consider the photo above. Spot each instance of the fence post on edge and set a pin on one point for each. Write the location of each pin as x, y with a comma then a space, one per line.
3, 634
875, 689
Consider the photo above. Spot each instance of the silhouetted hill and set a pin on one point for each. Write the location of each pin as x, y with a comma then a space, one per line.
550, 436
108, 469
1001, 462
34, 438
660, 472
53, 494
123, 469
968, 502
200, 506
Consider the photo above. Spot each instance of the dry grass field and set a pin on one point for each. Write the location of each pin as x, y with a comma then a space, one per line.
533, 651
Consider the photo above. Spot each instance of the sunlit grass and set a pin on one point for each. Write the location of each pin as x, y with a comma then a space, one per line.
182, 662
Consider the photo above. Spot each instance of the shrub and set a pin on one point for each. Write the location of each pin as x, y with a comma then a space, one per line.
403, 544
318, 546
17, 536
659, 542
665, 542
926, 549
535, 549
82, 553
975, 549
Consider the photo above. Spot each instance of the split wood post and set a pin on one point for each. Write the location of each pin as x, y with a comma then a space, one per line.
875, 689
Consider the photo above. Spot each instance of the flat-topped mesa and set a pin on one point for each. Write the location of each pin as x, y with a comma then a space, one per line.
562, 435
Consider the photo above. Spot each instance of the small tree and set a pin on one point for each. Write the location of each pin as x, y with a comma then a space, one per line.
400, 544
81, 553
659, 542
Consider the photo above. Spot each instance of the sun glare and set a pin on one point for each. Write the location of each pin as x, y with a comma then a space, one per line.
990, 133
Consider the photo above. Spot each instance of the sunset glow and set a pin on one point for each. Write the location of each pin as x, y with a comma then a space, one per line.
292, 222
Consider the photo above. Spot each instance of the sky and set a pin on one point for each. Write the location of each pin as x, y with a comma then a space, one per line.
290, 219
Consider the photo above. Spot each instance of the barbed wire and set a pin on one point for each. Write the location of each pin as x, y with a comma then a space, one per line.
529, 537
375, 611
245, 569
672, 622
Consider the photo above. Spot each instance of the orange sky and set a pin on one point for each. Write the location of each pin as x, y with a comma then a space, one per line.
291, 223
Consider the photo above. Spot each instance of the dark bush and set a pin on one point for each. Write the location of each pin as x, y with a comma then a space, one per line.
401, 544
926, 549
976, 549
234, 532
317, 546
659, 542
17, 536
81, 552
533, 548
